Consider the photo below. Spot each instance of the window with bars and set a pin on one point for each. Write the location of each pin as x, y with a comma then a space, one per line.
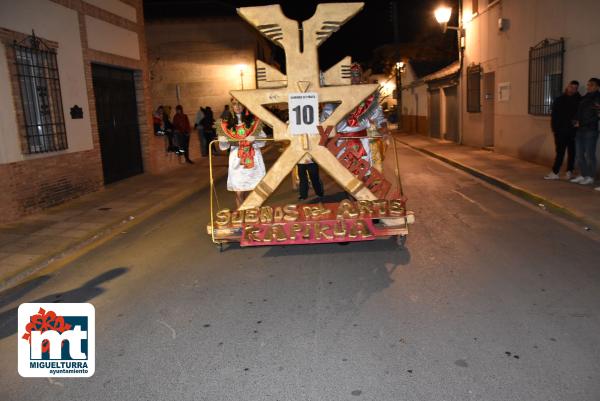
474, 89
39, 84
545, 75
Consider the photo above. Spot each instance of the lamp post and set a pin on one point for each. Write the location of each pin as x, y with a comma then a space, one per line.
399, 70
442, 15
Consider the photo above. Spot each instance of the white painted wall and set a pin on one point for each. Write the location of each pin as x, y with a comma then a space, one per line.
414, 98
116, 7
110, 38
60, 24
507, 54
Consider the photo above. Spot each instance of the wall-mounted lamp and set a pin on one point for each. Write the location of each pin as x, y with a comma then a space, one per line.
241, 68
442, 16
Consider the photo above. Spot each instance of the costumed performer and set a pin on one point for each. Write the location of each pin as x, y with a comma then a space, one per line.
238, 132
359, 120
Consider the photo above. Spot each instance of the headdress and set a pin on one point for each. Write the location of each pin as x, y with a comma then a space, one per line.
356, 71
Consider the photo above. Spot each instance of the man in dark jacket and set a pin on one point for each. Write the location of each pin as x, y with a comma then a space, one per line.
564, 110
587, 133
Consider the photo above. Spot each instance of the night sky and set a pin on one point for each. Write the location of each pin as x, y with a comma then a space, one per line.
369, 29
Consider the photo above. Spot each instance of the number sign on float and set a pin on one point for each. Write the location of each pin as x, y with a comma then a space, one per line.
304, 113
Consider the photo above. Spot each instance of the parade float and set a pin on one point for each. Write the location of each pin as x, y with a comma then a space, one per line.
375, 207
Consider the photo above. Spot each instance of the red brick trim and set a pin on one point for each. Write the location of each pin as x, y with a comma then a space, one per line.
95, 12
98, 56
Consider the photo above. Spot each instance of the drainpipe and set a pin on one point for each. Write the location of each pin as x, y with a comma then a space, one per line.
460, 33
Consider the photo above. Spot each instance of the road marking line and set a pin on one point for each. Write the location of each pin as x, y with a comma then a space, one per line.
173, 333
491, 213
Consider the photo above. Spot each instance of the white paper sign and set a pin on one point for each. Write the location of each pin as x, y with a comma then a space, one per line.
304, 113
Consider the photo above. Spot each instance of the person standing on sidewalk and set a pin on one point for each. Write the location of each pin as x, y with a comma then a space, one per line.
181, 124
200, 127
225, 113
209, 131
564, 110
587, 133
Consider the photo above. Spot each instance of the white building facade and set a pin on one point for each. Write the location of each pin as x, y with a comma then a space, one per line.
518, 56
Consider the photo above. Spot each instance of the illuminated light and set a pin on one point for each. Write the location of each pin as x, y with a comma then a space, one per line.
442, 14
388, 87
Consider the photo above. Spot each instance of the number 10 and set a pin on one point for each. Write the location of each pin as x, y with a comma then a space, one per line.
308, 115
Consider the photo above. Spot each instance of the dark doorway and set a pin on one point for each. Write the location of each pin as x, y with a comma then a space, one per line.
117, 115
451, 93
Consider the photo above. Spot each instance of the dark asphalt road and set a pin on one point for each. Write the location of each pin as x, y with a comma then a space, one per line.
493, 300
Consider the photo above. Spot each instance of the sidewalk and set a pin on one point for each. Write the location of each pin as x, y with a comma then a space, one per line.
524, 179
56, 233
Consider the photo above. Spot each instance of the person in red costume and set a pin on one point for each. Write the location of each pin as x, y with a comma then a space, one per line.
358, 121
238, 132
181, 125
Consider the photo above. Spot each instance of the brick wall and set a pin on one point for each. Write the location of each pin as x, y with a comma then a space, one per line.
39, 183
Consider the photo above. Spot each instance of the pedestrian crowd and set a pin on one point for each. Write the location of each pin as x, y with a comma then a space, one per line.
575, 124
178, 129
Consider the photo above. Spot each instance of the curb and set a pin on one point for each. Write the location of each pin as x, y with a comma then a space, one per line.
530, 197
78, 247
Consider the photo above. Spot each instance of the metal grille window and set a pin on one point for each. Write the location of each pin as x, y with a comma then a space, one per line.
545, 75
474, 89
39, 84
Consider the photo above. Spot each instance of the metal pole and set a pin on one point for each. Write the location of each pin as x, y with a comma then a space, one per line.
399, 96
242, 78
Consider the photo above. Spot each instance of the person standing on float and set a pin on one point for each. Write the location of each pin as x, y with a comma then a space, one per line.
246, 166
357, 122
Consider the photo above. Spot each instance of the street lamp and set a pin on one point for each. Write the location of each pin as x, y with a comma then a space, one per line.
400, 67
442, 16
241, 68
